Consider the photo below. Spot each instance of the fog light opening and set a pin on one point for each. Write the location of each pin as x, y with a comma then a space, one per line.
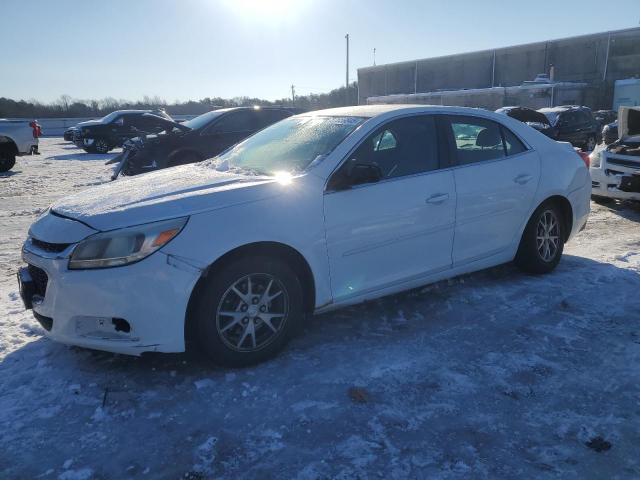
121, 325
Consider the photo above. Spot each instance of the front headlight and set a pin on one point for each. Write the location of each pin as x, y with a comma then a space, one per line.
124, 246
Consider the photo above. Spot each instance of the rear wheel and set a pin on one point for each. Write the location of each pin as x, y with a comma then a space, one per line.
542, 242
248, 311
7, 161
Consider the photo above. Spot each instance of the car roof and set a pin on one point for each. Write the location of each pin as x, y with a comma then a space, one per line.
369, 111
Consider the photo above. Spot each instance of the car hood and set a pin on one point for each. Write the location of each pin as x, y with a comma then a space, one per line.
629, 124
168, 193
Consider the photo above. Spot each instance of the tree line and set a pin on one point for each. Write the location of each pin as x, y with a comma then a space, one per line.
66, 106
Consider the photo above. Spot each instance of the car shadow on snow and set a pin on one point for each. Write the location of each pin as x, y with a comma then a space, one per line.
627, 209
81, 155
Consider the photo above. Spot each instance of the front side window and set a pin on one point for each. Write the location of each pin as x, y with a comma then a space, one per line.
236, 122
406, 146
476, 140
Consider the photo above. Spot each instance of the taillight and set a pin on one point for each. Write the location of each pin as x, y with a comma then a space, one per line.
585, 157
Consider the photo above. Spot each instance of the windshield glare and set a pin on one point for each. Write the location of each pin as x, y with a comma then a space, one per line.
290, 145
202, 120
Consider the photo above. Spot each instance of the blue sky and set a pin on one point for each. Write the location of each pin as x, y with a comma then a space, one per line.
190, 49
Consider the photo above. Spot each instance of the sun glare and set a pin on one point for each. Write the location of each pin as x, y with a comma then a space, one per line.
263, 9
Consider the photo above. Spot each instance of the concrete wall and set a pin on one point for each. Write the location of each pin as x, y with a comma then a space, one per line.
576, 59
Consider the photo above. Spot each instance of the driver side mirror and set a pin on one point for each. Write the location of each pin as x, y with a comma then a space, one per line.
361, 173
355, 173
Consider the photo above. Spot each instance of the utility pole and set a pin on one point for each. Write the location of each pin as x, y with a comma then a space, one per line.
346, 93
293, 95
374, 56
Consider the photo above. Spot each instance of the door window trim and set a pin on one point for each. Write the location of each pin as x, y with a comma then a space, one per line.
447, 160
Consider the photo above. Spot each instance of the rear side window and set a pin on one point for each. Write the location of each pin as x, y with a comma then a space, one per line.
402, 147
476, 140
512, 144
236, 122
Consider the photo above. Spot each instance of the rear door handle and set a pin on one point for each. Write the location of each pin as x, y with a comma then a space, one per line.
522, 179
437, 198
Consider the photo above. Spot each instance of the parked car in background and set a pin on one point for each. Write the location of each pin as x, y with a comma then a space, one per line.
574, 124
199, 138
615, 167
604, 117
17, 137
610, 133
316, 212
100, 136
533, 118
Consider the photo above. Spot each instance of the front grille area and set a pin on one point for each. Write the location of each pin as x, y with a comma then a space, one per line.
49, 247
624, 163
40, 280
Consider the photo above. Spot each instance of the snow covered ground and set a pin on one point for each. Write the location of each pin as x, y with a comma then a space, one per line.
492, 375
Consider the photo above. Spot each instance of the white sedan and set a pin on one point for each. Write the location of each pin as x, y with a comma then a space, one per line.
316, 212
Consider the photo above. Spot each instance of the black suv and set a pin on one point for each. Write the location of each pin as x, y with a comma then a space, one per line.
574, 124
116, 128
202, 137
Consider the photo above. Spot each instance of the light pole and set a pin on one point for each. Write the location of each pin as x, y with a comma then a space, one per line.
346, 93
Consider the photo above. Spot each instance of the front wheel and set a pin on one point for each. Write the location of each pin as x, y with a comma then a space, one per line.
7, 161
100, 145
591, 143
248, 311
542, 242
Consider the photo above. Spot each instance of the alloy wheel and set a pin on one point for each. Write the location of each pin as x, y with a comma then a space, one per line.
548, 236
252, 312
591, 144
101, 146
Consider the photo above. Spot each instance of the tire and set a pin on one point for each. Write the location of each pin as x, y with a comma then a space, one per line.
100, 145
532, 255
7, 161
591, 143
228, 310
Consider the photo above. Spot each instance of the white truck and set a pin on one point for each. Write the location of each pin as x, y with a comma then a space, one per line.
17, 138
615, 168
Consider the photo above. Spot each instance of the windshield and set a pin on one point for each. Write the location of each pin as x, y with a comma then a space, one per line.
290, 145
552, 116
202, 120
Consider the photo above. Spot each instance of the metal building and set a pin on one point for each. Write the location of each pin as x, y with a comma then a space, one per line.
596, 60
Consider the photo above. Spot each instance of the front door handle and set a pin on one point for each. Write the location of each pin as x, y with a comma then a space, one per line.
437, 198
522, 179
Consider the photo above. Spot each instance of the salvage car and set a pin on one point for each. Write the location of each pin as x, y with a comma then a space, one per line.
533, 118
197, 139
17, 138
316, 212
111, 131
574, 124
615, 168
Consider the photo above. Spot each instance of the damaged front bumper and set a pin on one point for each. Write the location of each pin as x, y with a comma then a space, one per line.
131, 309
